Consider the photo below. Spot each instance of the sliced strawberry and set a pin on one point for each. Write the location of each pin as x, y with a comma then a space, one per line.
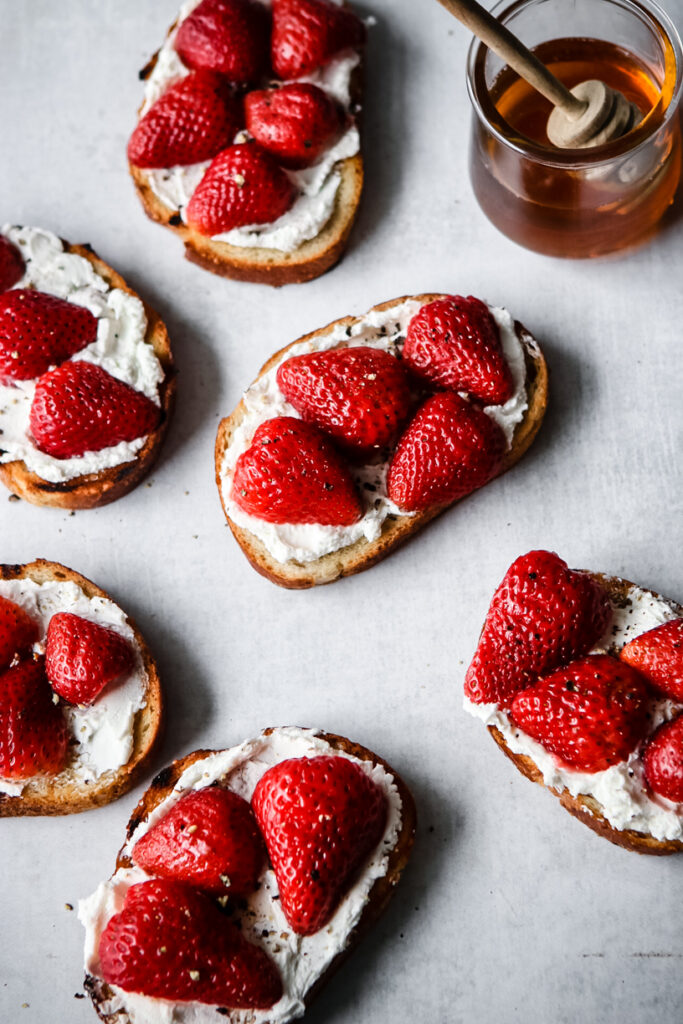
296, 123
81, 657
11, 264
170, 942
591, 714
448, 450
79, 407
360, 396
209, 840
663, 760
18, 631
321, 817
230, 36
542, 616
309, 33
192, 121
292, 474
38, 331
658, 655
242, 186
454, 344
33, 733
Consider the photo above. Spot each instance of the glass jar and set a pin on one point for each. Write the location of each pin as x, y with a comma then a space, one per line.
577, 202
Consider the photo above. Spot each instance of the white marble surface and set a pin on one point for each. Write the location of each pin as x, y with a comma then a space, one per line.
511, 910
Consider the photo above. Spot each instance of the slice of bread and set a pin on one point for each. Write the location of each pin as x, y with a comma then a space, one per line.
66, 793
584, 807
396, 528
378, 897
95, 489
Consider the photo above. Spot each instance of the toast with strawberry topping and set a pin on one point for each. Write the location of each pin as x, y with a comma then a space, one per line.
75, 340
261, 177
80, 698
556, 679
410, 452
296, 838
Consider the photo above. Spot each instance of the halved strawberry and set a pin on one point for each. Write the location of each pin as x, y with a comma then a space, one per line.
209, 840
11, 264
590, 714
448, 450
38, 331
79, 407
242, 186
170, 942
454, 344
192, 121
321, 818
295, 123
360, 396
229, 36
542, 616
309, 33
292, 474
33, 733
658, 656
81, 657
663, 760
18, 631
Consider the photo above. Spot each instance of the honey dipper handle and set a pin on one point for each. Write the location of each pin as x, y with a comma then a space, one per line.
499, 39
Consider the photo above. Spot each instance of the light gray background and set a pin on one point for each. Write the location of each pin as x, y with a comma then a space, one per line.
511, 910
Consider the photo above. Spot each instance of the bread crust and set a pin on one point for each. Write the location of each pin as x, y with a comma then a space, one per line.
92, 490
378, 898
60, 794
396, 530
584, 807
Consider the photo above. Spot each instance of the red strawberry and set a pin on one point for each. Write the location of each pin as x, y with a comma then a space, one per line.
230, 36
295, 123
358, 395
210, 840
33, 733
448, 450
79, 407
309, 33
11, 264
292, 474
170, 942
454, 344
321, 817
18, 631
663, 760
38, 331
242, 186
81, 657
542, 616
591, 714
658, 655
192, 121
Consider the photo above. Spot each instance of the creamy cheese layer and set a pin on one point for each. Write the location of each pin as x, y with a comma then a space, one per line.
300, 959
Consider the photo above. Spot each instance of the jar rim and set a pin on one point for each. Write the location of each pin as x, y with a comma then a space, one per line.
487, 113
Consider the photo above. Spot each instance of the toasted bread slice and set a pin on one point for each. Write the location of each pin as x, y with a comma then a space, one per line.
378, 896
584, 807
396, 528
95, 489
66, 793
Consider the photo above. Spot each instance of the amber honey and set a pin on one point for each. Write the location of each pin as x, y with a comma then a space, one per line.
576, 203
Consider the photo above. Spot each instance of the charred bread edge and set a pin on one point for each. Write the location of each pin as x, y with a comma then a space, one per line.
260, 265
47, 795
396, 530
93, 490
584, 807
378, 897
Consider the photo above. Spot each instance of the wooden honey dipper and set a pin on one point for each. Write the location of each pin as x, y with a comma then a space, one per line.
590, 114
